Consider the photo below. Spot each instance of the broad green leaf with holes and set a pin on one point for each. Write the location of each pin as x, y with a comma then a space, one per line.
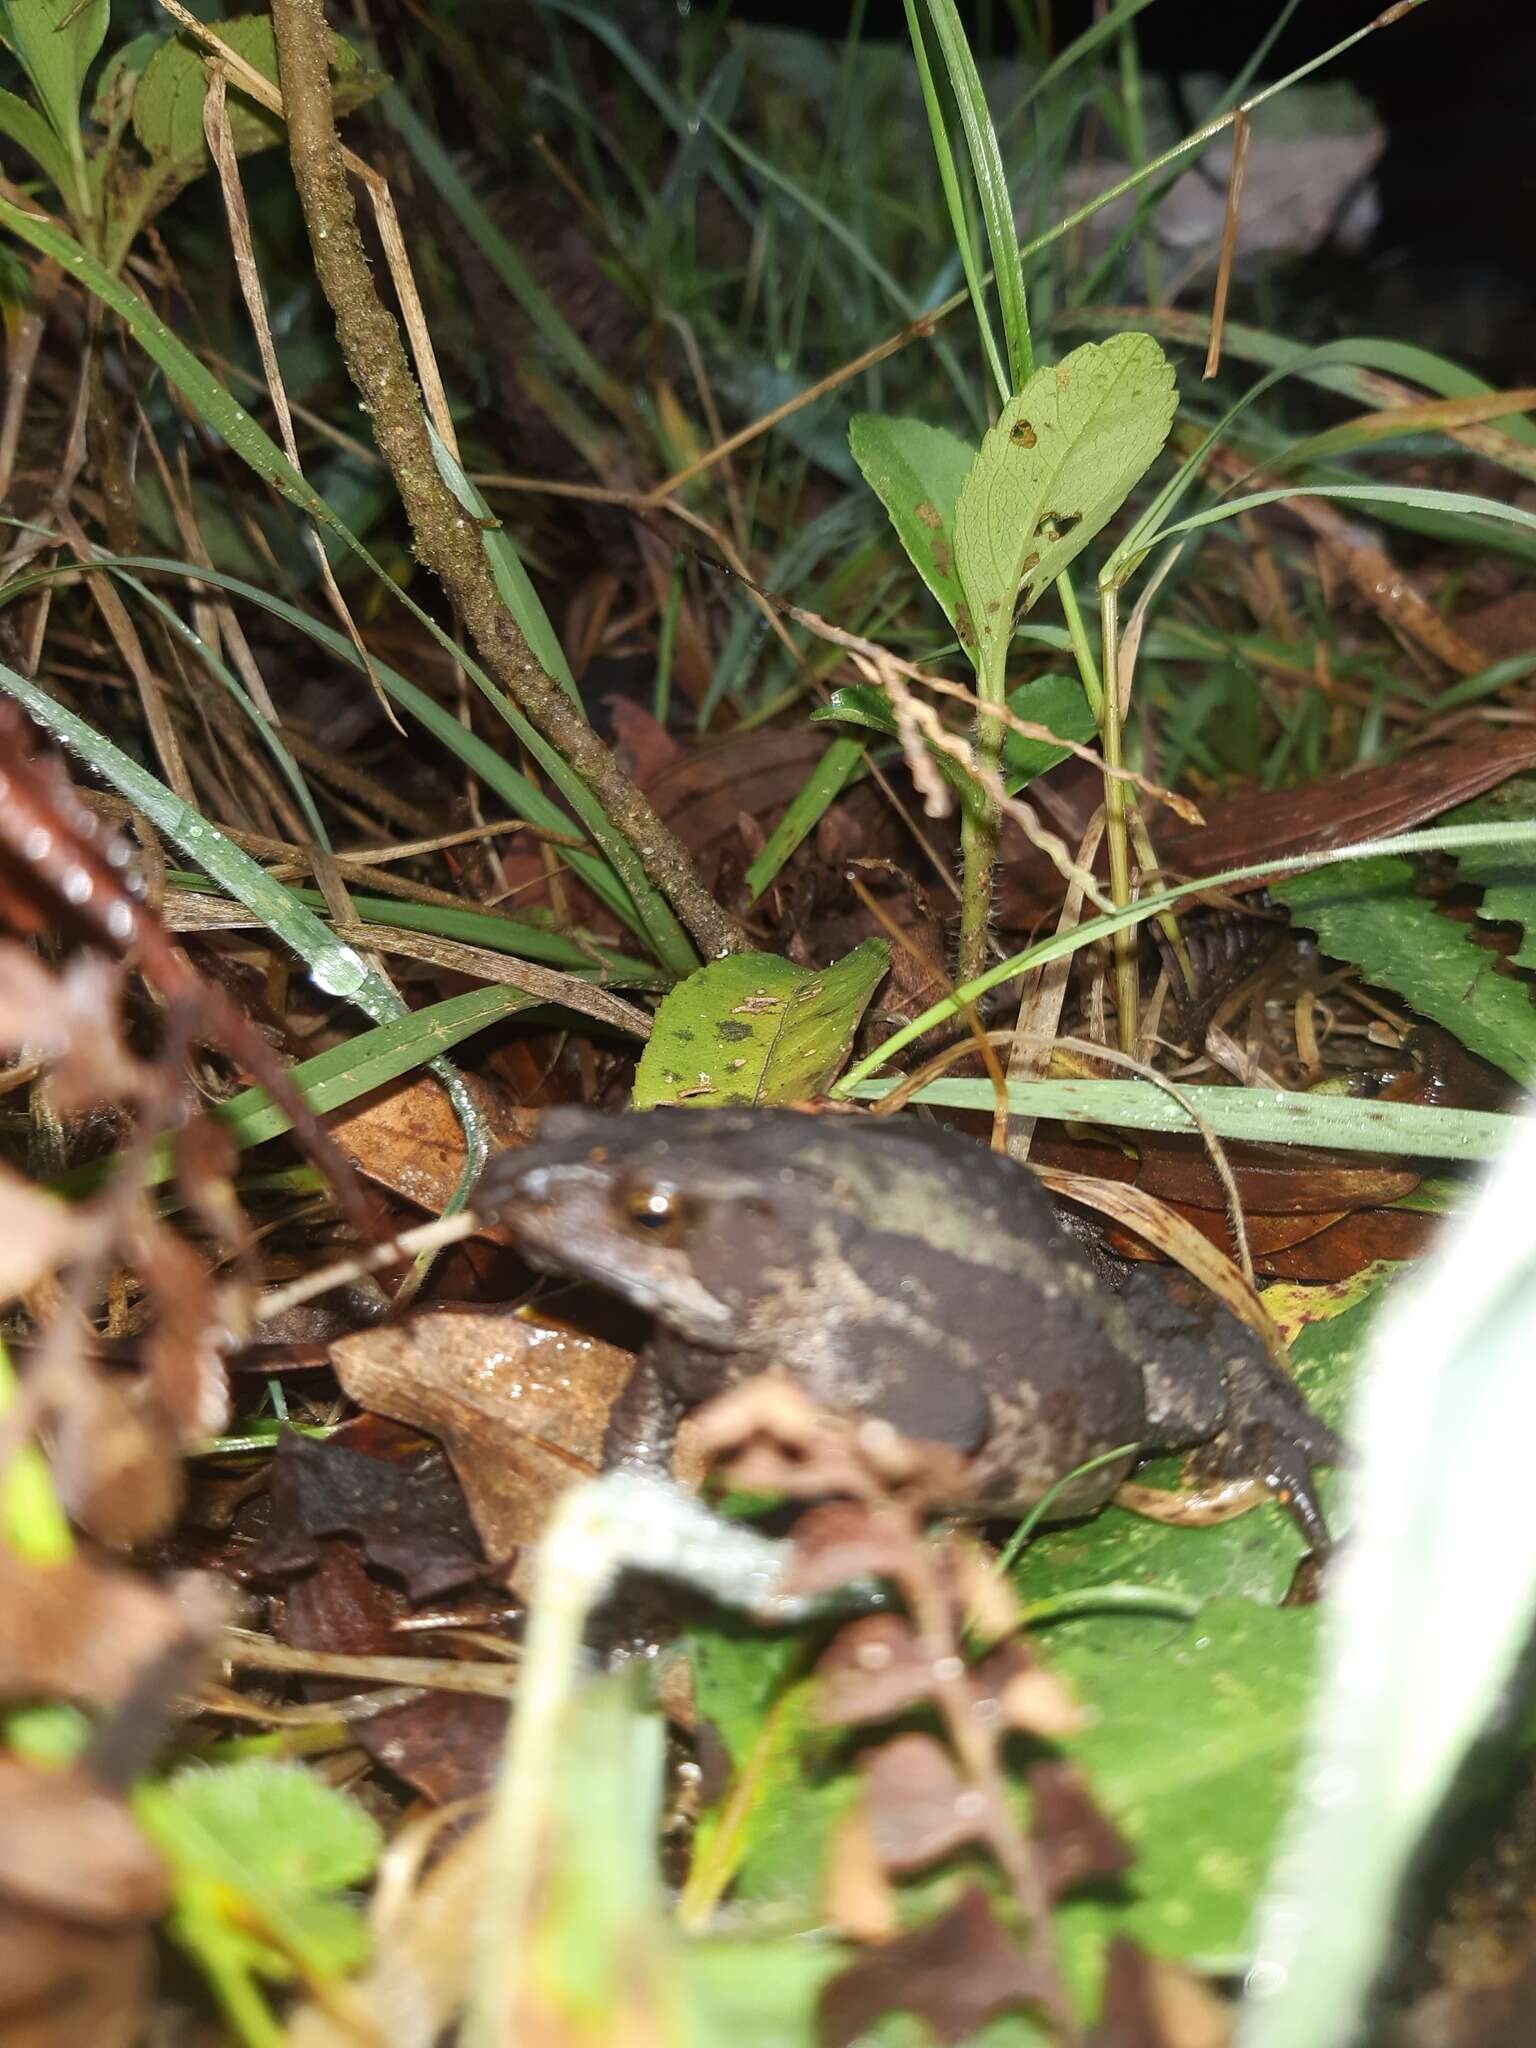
1058, 465
168, 104
916, 472
1505, 874
753, 1028
1367, 912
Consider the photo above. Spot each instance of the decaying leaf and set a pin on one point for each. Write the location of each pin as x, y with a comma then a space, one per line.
957, 1973
919, 1807
408, 1514
86, 1632
520, 1407
408, 1137
1077, 1844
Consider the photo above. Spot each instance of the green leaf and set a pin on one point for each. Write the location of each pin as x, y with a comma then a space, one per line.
916, 471
1191, 1747
270, 1842
56, 42
1366, 912
1056, 702
511, 578
26, 127
755, 1028
1505, 874
1267, 1116
1058, 465
991, 184
168, 102
768, 1843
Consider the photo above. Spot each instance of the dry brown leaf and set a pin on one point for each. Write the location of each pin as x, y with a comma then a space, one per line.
957, 1973
408, 1137
85, 1631
1077, 1843
520, 1407
68, 1847
920, 1809
65, 1986
38, 1234
872, 1670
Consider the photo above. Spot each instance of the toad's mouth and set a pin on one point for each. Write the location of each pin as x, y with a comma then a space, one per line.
650, 1277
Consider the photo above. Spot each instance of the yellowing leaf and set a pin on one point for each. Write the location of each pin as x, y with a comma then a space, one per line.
758, 1029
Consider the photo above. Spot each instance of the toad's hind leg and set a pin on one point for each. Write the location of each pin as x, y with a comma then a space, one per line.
1210, 1381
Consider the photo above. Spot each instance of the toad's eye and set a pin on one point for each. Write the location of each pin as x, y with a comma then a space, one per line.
659, 1211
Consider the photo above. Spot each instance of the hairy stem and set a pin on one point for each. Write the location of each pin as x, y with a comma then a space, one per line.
447, 540
981, 827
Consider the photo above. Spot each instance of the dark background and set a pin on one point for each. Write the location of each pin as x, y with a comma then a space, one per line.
1455, 85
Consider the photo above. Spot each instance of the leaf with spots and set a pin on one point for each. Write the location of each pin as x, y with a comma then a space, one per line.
1062, 459
916, 472
757, 1029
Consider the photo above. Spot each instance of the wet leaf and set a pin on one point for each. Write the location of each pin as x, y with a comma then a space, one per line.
1506, 875
519, 1406
757, 1029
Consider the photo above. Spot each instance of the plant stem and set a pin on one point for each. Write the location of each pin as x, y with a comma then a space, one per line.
447, 540
1117, 839
981, 825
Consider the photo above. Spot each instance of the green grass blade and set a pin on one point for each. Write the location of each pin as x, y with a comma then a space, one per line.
1441, 839
991, 185
471, 927
1259, 1116
562, 340
805, 810
337, 968
250, 441
949, 179
522, 796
